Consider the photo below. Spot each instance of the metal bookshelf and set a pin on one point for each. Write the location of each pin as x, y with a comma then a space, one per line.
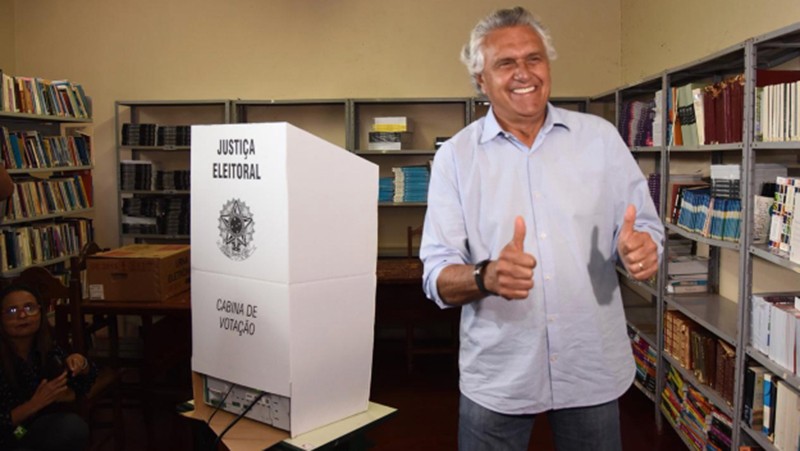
727, 319
168, 157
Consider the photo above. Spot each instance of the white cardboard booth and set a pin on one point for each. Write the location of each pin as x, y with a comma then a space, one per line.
284, 242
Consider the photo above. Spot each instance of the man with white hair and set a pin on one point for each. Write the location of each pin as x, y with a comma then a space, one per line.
529, 209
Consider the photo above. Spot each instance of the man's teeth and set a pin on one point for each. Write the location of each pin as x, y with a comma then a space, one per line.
525, 90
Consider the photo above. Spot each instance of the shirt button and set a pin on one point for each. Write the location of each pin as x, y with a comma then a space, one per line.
547, 277
553, 358
551, 318
543, 235
537, 195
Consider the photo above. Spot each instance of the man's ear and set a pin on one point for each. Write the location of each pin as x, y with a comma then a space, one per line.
479, 81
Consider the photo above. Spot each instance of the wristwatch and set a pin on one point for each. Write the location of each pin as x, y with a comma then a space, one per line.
478, 272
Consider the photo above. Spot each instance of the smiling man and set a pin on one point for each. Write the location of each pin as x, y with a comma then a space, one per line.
529, 209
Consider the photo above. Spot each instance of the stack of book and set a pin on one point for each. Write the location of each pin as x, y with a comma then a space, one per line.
713, 217
645, 357
672, 397
654, 185
763, 333
139, 134
136, 175
175, 220
725, 181
173, 180
174, 135
411, 183
385, 189
777, 105
389, 133
694, 411
687, 274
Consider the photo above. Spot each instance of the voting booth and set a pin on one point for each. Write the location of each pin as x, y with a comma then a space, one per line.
284, 242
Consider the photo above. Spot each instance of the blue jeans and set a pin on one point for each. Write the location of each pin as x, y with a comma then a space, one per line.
593, 428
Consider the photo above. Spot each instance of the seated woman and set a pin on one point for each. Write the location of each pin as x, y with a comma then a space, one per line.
35, 374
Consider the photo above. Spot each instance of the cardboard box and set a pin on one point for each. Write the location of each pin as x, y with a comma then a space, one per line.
139, 272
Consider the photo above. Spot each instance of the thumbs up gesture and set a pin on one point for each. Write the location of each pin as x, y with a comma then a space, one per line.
637, 250
511, 276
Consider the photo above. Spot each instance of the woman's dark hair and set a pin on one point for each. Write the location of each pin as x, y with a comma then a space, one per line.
42, 342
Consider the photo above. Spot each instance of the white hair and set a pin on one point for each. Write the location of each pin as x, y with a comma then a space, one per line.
472, 53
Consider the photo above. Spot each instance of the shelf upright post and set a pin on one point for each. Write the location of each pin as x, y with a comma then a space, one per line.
745, 237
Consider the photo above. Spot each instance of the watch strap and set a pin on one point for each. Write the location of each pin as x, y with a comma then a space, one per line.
478, 272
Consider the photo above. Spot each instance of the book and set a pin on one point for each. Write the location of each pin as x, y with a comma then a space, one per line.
686, 114
770, 395
753, 397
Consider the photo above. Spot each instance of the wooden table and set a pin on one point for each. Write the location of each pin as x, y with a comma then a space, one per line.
163, 344
400, 302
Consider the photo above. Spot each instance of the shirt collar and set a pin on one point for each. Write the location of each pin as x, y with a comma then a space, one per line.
491, 128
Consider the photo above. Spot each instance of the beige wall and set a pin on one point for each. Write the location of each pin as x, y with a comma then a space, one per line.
282, 49
7, 40
287, 49
661, 35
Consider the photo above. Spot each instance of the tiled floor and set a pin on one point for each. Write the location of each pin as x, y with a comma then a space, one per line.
427, 403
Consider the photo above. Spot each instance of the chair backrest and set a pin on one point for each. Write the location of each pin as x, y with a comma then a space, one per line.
53, 292
77, 264
413, 233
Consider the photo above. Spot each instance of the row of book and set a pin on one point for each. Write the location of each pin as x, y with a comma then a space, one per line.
770, 406
44, 97
704, 114
702, 424
28, 149
709, 216
698, 114
783, 221
162, 215
777, 104
34, 198
774, 328
142, 175
156, 135
645, 357
711, 360
38, 243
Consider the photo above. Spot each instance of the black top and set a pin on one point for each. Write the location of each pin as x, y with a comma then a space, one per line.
29, 375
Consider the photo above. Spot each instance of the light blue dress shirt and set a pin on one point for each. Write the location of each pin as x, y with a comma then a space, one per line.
566, 344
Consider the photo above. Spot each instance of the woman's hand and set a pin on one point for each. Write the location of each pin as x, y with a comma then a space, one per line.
46, 393
50, 391
77, 364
